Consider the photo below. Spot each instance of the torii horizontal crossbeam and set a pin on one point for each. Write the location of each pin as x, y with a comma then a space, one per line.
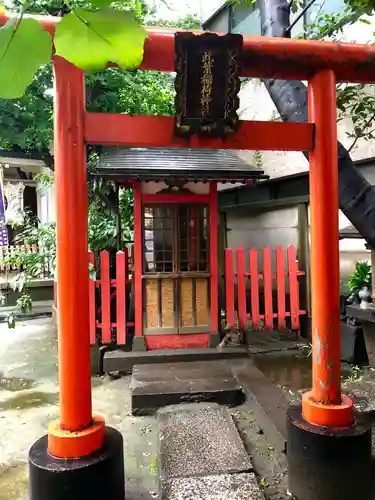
265, 57
158, 132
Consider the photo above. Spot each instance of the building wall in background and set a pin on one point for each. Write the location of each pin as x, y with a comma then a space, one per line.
46, 204
255, 103
265, 229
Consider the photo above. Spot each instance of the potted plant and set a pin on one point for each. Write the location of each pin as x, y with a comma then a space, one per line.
353, 347
360, 281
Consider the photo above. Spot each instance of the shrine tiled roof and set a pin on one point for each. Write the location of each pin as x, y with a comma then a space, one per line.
351, 233
120, 163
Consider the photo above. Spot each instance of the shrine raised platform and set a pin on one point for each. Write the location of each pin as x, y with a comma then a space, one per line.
124, 361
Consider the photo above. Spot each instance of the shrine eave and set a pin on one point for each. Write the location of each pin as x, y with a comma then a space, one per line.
156, 164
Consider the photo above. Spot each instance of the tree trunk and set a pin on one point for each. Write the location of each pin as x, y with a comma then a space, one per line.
356, 194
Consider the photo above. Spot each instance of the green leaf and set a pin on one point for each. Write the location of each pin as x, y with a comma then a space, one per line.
101, 3
11, 320
294, 7
24, 47
91, 40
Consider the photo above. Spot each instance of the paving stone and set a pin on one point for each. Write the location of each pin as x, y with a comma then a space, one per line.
200, 442
221, 487
157, 385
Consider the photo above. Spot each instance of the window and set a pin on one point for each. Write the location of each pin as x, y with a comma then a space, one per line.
245, 20
176, 238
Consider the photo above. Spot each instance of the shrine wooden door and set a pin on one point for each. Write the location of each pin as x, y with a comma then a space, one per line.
176, 274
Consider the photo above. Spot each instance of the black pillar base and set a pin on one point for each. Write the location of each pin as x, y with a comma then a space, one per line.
328, 464
99, 476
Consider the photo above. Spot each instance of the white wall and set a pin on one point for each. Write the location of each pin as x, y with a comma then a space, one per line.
173, 9
46, 204
266, 229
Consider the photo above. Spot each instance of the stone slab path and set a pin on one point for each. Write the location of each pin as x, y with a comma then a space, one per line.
202, 456
157, 385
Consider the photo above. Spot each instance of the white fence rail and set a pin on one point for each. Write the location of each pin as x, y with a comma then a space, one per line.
6, 253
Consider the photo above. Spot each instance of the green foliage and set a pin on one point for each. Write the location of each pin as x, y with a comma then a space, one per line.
91, 40
11, 320
25, 303
242, 3
360, 277
305, 350
26, 123
362, 6
24, 47
355, 103
102, 227
188, 22
31, 265
355, 374
131, 92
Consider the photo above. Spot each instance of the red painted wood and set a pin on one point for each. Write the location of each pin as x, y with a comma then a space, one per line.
241, 288
193, 250
280, 277
71, 249
138, 260
267, 281
293, 287
214, 266
229, 288
105, 297
192, 341
175, 198
127, 265
121, 265
268, 57
92, 308
254, 288
158, 131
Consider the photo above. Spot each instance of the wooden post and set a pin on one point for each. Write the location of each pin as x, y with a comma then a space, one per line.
214, 268
138, 341
76, 434
229, 289
325, 405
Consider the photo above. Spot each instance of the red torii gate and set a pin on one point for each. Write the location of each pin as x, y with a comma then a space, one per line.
325, 430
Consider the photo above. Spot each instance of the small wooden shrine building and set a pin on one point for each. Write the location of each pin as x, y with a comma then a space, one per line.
175, 238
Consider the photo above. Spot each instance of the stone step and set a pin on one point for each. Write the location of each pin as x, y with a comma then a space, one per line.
124, 361
157, 385
201, 456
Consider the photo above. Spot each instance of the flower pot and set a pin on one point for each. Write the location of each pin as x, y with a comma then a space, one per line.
365, 297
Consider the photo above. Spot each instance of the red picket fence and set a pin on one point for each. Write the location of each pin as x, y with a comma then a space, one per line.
253, 292
110, 289
244, 285
103, 292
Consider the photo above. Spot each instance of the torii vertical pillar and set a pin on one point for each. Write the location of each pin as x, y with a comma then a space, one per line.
329, 447
80, 457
